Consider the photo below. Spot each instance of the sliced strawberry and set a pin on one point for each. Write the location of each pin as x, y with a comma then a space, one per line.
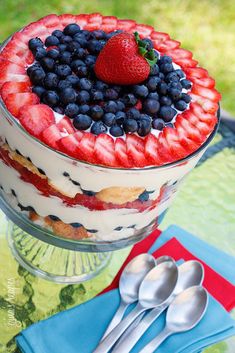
208, 82
198, 72
135, 150
36, 118
12, 72
36, 29
194, 120
109, 24
209, 93
167, 45
207, 105
92, 26
144, 30
175, 147
121, 153
104, 150
65, 126
14, 87
209, 119
66, 19
179, 54
17, 54
159, 37
51, 21
69, 145
151, 150
189, 145
190, 130
86, 147
126, 25
78, 135
15, 101
138, 105
95, 18
186, 62
164, 150
51, 136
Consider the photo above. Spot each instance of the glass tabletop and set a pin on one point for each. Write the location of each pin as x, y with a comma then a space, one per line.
205, 206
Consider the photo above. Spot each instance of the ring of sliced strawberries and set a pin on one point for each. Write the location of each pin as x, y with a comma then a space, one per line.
190, 130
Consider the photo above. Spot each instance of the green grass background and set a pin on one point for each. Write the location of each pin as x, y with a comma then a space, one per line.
207, 27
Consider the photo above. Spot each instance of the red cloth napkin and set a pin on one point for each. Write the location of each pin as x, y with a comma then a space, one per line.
221, 289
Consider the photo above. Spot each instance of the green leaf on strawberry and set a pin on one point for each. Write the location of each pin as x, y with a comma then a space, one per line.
147, 54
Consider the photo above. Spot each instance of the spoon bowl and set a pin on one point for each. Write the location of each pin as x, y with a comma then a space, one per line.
191, 273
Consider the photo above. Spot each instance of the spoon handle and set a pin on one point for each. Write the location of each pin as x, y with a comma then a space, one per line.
155, 343
125, 345
108, 342
116, 318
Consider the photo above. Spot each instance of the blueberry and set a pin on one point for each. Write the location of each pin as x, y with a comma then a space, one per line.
144, 127
68, 95
38, 90
84, 109
63, 84
33, 67
162, 88
145, 117
83, 97
98, 127
37, 76
158, 124
80, 53
73, 47
169, 125
129, 99
120, 117
148, 42
175, 84
167, 113
76, 63
47, 63
186, 84
140, 91
71, 29
65, 57
130, 125
59, 110
144, 196
110, 107
96, 95
81, 40
166, 68
133, 113
116, 131
154, 70
51, 80
71, 110
111, 93
165, 59
172, 76
151, 106
117, 88
85, 84
174, 93
90, 60
81, 71
40, 53
53, 53
114, 33
161, 76
35, 43
62, 47
165, 100
50, 98
63, 70
186, 97
73, 79
100, 85
99, 34
82, 122
94, 46
65, 39
51, 41
180, 73
120, 105
109, 119
181, 105
153, 95
96, 112
57, 33
153, 83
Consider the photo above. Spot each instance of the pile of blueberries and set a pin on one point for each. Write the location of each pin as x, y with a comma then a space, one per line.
63, 77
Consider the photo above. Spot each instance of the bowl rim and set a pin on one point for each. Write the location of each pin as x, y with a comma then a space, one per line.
62, 155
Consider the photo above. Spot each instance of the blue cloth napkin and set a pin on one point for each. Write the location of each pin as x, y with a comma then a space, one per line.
80, 329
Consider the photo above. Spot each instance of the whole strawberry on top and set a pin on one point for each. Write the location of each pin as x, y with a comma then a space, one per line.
125, 60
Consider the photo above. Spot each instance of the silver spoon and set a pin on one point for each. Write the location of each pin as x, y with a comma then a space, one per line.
135, 323
129, 283
184, 313
155, 289
191, 273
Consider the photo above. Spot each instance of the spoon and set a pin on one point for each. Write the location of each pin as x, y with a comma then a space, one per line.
157, 286
184, 313
129, 283
191, 273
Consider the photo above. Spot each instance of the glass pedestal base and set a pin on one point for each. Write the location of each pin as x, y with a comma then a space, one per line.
54, 263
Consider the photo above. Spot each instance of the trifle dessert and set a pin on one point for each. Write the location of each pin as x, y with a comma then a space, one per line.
101, 119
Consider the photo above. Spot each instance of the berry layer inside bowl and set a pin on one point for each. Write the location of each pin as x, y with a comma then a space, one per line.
108, 92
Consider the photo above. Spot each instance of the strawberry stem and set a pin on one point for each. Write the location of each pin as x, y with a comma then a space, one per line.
146, 53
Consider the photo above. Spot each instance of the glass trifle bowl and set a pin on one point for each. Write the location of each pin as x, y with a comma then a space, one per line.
67, 215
